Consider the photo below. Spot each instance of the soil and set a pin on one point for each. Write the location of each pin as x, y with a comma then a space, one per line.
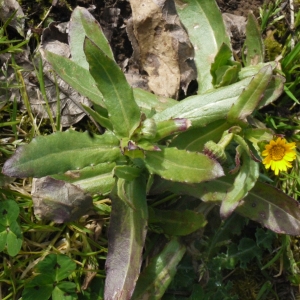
113, 16
240, 7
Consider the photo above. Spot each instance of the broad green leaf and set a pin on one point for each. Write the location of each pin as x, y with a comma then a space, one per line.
69, 71
11, 238
214, 190
10, 231
3, 237
171, 127
272, 208
160, 271
178, 223
251, 70
14, 239
123, 111
83, 24
227, 75
181, 165
64, 291
150, 103
58, 266
264, 203
96, 179
207, 108
273, 91
250, 97
223, 70
206, 30
253, 42
127, 172
194, 139
86, 86
256, 135
60, 152
40, 287
101, 119
243, 183
126, 236
9, 211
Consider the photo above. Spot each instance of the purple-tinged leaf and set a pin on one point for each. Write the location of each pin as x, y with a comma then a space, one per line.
264, 203
182, 166
59, 201
251, 96
272, 208
123, 111
178, 223
195, 138
126, 236
243, 183
61, 152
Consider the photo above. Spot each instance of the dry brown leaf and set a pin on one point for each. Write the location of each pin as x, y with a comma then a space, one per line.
59, 201
161, 46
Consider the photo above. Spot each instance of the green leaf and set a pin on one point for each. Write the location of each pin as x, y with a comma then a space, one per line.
253, 42
150, 103
181, 165
244, 253
126, 236
123, 111
69, 70
83, 24
194, 139
171, 127
223, 70
10, 231
291, 58
250, 97
206, 30
101, 118
14, 239
160, 271
264, 203
256, 135
64, 291
86, 86
207, 108
40, 287
60, 152
127, 172
228, 228
58, 266
273, 91
250, 71
9, 211
243, 183
96, 179
178, 223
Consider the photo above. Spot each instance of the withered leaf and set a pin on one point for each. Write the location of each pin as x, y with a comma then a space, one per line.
59, 201
162, 47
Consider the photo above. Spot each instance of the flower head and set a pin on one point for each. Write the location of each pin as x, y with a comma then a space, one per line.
279, 154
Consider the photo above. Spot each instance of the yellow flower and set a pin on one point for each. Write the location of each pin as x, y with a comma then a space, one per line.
279, 154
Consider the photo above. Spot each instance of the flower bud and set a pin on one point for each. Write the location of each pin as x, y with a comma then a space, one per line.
215, 151
148, 130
